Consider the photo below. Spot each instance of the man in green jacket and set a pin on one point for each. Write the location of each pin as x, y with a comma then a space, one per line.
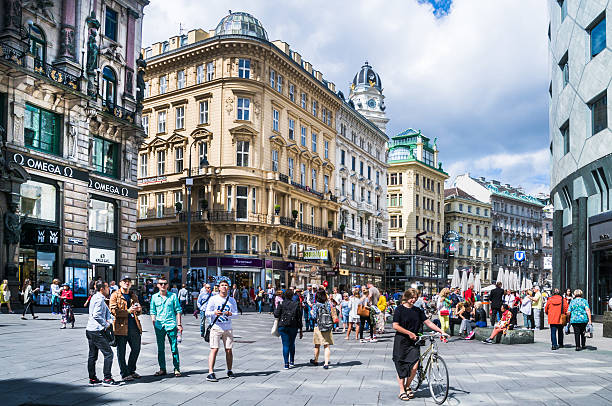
166, 316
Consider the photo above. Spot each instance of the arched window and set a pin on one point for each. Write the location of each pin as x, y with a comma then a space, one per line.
109, 87
201, 245
275, 248
38, 43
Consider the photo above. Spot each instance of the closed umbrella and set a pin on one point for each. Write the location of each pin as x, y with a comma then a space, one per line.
470, 279
506, 279
464, 279
500, 275
477, 285
517, 283
456, 279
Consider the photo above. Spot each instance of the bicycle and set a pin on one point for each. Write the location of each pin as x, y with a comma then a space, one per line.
432, 366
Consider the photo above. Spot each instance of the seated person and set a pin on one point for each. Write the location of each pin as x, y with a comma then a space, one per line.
464, 312
480, 316
502, 325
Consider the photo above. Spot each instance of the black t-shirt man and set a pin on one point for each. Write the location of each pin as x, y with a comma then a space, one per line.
496, 297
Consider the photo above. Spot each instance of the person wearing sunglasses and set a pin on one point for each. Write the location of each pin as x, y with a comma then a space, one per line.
166, 317
205, 295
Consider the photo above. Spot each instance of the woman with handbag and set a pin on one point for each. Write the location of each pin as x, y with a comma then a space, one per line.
28, 299
580, 315
5, 296
556, 307
289, 315
365, 314
354, 302
444, 305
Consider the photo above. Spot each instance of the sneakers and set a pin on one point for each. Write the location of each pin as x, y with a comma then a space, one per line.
362, 341
212, 378
94, 381
286, 366
488, 341
292, 364
374, 340
136, 376
63, 327
230, 374
110, 382
23, 318
469, 336
313, 362
325, 366
177, 373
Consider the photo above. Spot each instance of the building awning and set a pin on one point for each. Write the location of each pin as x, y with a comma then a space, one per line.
77, 263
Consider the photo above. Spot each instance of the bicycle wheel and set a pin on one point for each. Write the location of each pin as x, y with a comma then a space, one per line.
437, 375
418, 379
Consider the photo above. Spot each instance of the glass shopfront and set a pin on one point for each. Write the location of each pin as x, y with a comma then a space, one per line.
103, 238
602, 266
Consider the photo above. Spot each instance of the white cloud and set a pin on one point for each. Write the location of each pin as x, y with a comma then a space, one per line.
476, 79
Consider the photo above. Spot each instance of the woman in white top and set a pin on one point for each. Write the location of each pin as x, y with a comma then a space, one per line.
28, 299
526, 309
354, 302
55, 297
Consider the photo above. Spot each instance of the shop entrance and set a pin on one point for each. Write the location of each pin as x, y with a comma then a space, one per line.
39, 268
602, 264
244, 279
106, 272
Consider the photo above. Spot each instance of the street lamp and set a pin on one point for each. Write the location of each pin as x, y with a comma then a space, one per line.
189, 184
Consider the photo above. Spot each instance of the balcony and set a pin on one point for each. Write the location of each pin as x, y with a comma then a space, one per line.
56, 74
363, 206
286, 221
118, 111
166, 212
283, 178
307, 189
14, 55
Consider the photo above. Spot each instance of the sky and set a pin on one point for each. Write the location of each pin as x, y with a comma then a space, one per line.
471, 73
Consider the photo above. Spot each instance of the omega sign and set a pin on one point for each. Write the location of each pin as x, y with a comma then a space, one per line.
44, 166
109, 188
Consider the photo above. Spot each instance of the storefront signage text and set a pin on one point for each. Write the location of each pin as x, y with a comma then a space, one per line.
49, 167
316, 254
155, 179
112, 188
75, 241
101, 256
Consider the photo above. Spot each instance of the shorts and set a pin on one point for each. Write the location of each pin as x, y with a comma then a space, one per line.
322, 337
217, 335
353, 319
345, 318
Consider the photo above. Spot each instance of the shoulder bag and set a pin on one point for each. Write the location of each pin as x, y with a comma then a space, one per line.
109, 334
207, 334
363, 310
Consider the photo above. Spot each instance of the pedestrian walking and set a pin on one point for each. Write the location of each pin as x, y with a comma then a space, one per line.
259, 299
496, 298
56, 289
408, 321
580, 314
66, 298
236, 296
365, 315
221, 309
322, 333
354, 303
100, 319
125, 307
444, 306
289, 315
556, 309
345, 310
205, 295
536, 306
270, 292
5, 296
166, 317
526, 310
307, 303
28, 299
183, 296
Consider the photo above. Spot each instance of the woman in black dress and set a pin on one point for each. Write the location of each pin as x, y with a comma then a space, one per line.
408, 321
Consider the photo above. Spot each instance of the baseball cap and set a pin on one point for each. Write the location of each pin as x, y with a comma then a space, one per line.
126, 277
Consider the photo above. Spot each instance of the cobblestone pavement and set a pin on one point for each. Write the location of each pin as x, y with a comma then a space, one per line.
43, 365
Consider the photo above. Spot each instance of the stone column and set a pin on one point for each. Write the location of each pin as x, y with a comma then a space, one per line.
582, 249
572, 274
129, 53
11, 32
67, 33
270, 201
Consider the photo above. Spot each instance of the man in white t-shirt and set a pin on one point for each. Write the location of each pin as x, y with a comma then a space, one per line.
221, 308
270, 292
183, 296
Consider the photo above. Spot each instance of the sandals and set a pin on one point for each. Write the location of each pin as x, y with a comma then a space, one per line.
409, 393
160, 373
404, 397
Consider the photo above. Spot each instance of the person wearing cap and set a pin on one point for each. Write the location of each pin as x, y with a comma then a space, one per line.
66, 298
125, 307
308, 302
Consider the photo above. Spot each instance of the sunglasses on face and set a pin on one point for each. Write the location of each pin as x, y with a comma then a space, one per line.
162, 283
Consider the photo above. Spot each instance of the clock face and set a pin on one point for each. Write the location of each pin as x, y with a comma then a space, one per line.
371, 103
371, 77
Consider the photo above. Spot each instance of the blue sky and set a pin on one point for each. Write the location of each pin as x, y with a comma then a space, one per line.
473, 73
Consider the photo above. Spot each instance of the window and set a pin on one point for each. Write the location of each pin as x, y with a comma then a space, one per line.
599, 113
147, 90
324, 115
42, 130
469, 209
180, 117
110, 24
279, 83
303, 136
101, 216
428, 158
203, 153
477, 230
200, 74
353, 191
177, 245
313, 180
178, 159
486, 231
210, 71
161, 203
353, 163
417, 222
563, 6
315, 108
460, 227
242, 153
161, 162
564, 66
275, 119
477, 210
228, 242
38, 44
163, 84
109, 87
145, 124
325, 183
243, 108
292, 92
313, 139
275, 160
229, 198
242, 197
303, 174
361, 168
416, 201
161, 122
377, 178
565, 134
304, 101
598, 37
460, 206
469, 229
272, 79
369, 172
290, 165
203, 112
343, 187
244, 68
38, 201
165, 46
144, 163
342, 157
254, 244
326, 149
291, 129
178, 197
105, 157
144, 205
180, 79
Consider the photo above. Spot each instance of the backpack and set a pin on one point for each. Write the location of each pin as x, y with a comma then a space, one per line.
324, 318
288, 313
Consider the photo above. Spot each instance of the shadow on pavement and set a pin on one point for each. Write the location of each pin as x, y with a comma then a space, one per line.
27, 392
348, 363
255, 373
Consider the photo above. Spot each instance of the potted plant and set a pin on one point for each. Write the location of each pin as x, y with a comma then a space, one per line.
294, 213
277, 209
330, 224
342, 226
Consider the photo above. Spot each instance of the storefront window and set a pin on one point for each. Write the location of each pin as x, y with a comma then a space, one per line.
33, 194
105, 157
101, 216
77, 279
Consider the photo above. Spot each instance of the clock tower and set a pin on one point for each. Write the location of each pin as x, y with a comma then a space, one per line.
367, 98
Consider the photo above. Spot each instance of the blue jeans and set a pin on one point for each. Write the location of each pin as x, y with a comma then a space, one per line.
202, 323
556, 331
308, 321
55, 304
259, 305
288, 335
527, 320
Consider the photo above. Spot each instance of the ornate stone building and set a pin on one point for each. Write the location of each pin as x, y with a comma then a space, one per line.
68, 114
471, 220
361, 184
415, 186
241, 145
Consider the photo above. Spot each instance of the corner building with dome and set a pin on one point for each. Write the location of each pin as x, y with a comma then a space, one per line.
242, 145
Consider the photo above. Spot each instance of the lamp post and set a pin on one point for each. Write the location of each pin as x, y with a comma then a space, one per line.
189, 184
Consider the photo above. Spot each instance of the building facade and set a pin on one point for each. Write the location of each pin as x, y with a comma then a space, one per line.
415, 189
581, 148
361, 173
241, 144
71, 128
516, 222
471, 220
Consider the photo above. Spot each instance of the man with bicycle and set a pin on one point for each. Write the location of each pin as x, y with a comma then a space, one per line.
408, 320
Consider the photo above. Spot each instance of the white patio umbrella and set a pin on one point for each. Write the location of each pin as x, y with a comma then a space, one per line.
523, 284
506, 279
464, 279
470, 279
517, 282
456, 280
477, 285
500, 275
